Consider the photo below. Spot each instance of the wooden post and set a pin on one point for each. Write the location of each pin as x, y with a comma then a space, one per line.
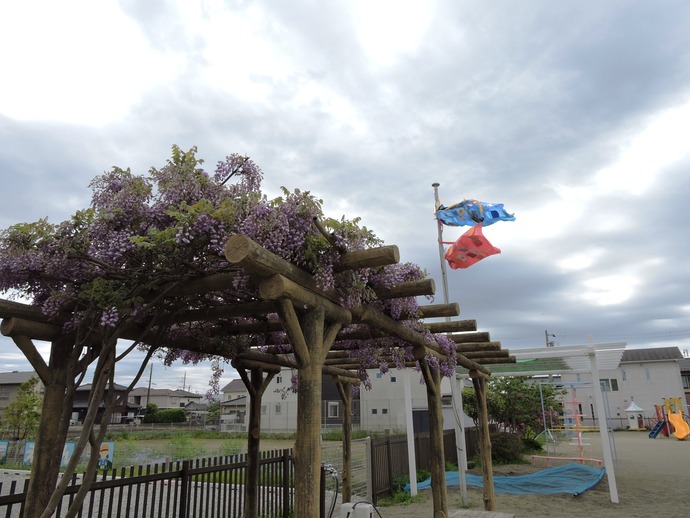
311, 341
345, 391
479, 383
256, 385
432, 379
307, 444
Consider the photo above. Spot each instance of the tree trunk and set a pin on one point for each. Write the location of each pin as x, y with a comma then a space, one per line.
479, 383
256, 385
432, 379
52, 431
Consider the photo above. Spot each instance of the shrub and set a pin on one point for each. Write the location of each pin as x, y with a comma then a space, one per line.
170, 415
531, 445
506, 448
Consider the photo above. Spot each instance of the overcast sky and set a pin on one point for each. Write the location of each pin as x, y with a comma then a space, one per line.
575, 115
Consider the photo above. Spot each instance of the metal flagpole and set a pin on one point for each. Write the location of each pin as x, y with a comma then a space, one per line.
456, 395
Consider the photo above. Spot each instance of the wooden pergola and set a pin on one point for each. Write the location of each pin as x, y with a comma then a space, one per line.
319, 336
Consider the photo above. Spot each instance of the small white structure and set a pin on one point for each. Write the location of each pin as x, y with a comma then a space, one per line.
635, 416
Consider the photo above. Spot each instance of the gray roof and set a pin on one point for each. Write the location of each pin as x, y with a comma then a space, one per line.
142, 391
16, 377
236, 385
87, 387
684, 365
652, 354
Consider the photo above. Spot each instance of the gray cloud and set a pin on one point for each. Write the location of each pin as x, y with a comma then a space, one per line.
504, 104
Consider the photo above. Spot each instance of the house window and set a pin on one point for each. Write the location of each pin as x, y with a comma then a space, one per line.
4, 393
384, 411
686, 381
624, 376
279, 379
393, 379
333, 409
378, 375
277, 408
577, 377
374, 411
609, 385
647, 373
263, 409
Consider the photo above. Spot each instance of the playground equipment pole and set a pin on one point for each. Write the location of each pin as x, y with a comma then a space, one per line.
456, 395
603, 426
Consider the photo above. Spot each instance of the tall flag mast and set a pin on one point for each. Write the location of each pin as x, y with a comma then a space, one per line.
469, 249
455, 394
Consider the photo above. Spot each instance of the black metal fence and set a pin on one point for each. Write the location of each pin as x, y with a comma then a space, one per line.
202, 488
389, 456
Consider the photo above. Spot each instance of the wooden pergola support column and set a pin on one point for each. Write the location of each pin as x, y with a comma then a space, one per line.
311, 340
480, 390
256, 384
432, 380
345, 391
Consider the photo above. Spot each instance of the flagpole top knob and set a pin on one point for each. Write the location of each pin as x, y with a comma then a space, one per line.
435, 184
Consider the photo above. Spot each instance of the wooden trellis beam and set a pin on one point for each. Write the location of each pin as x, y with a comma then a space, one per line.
440, 310
461, 338
369, 258
375, 318
419, 288
477, 346
503, 353
278, 287
451, 327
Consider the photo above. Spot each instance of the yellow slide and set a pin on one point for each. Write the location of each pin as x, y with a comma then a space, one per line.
682, 428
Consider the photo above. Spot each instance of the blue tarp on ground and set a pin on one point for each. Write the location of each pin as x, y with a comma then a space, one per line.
570, 478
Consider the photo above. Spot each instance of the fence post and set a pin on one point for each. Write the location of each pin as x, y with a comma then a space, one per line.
322, 492
184, 489
286, 483
369, 470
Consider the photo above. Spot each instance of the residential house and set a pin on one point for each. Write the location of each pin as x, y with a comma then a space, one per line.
234, 406
163, 398
10, 382
645, 376
123, 412
382, 408
685, 378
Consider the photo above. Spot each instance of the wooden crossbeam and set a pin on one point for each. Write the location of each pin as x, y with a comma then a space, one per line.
461, 338
451, 327
369, 258
407, 289
477, 346
277, 287
439, 310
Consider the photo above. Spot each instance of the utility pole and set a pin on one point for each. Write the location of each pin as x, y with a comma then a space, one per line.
148, 391
547, 335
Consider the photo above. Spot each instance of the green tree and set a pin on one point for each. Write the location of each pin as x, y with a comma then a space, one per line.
150, 415
213, 412
22, 416
515, 403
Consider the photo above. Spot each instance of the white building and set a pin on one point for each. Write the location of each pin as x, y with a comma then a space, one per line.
380, 409
645, 376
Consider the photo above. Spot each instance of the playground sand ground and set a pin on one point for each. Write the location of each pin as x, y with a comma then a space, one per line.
652, 476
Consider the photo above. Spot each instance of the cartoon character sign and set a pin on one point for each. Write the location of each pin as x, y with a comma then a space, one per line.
105, 461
